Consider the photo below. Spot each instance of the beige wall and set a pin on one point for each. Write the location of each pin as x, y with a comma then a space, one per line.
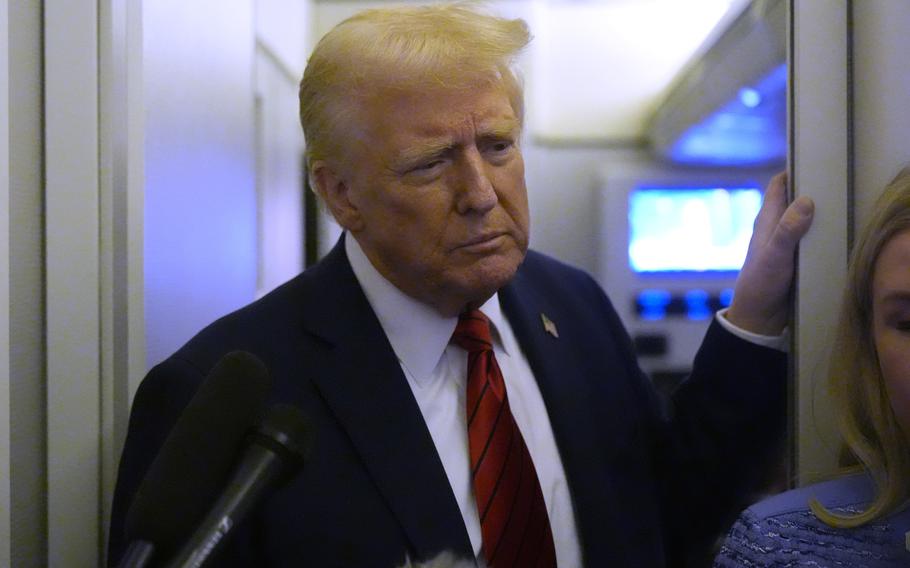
28, 473
881, 113
210, 237
5, 516
200, 202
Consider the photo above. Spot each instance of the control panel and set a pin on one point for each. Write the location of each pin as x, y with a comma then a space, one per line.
671, 244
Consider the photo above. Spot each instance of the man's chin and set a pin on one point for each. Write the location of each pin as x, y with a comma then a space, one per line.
486, 279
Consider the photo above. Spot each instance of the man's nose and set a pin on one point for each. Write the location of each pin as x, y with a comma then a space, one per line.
475, 189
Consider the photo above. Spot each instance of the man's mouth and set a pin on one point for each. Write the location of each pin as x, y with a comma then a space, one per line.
483, 243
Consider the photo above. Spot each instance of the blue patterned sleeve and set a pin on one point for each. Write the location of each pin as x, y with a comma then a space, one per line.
798, 538
750, 542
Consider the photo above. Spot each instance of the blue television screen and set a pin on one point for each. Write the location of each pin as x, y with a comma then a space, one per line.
703, 229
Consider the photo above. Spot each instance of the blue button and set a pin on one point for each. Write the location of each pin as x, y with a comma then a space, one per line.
697, 305
652, 304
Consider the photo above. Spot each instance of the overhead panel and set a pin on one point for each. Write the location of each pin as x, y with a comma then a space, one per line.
729, 108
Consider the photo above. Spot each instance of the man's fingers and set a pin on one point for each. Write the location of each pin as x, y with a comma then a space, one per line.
773, 206
793, 224
760, 302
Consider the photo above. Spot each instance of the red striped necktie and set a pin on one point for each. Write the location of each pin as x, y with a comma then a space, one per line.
513, 515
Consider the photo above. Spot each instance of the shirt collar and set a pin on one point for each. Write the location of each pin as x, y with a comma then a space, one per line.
417, 333
498, 328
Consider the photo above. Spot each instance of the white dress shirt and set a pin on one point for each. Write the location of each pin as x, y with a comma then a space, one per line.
436, 371
437, 374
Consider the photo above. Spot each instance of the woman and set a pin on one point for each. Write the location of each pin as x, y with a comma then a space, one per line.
861, 519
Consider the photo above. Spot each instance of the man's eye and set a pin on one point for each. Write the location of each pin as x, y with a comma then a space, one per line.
429, 165
500, 146
426, 166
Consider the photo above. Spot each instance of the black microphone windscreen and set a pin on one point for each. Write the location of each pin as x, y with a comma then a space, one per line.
196, 458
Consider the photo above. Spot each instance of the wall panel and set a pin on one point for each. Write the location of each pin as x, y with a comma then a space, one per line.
200, 201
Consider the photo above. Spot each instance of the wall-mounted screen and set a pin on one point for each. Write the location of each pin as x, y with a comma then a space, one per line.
690, 229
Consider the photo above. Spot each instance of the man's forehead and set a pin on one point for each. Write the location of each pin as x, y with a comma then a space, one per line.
486, 124
402, 122
424, 138
432, 114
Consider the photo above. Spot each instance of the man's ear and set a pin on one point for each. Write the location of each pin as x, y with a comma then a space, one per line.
335, 193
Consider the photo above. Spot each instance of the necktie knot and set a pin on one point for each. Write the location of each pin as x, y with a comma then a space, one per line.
473, 332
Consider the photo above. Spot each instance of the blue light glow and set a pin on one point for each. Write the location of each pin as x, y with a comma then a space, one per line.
697, 305
749, 130
749, 97
653, 304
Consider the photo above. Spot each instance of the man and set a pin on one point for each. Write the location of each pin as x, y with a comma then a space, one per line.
430, 344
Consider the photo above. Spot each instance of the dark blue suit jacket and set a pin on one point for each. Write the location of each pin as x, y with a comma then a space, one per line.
646, 480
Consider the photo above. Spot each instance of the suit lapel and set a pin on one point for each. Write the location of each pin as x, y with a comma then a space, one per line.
362, 382
570, 403
575, 409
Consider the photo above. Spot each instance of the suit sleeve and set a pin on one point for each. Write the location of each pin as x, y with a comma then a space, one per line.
723, 436
160, 399
159, 402
715, 441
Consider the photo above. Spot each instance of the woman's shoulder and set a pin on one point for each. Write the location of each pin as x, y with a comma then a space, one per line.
850, 492
783, 531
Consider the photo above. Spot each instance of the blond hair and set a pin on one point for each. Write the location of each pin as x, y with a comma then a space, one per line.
866, 419
443, 45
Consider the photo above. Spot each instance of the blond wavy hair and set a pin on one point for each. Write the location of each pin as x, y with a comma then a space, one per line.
867, 421
411, 47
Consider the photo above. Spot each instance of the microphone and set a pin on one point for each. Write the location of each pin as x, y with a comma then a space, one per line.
195, 459
276, 450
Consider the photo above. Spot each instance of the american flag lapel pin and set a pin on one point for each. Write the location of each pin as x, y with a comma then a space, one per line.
548, 325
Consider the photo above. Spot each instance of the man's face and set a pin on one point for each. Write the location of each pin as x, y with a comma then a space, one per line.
435, 192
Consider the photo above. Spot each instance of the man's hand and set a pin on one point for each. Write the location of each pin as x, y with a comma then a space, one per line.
760, 299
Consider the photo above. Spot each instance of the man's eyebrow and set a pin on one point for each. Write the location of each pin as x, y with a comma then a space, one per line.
424, 150
501, 129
